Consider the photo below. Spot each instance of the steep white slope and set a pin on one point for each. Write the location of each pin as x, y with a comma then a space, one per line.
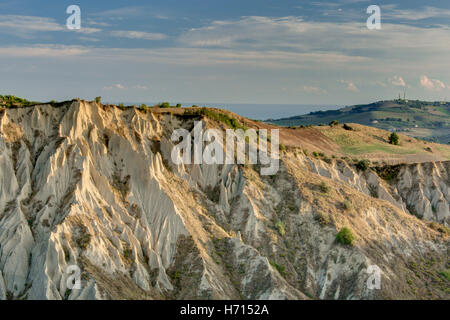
93, 186
422, 189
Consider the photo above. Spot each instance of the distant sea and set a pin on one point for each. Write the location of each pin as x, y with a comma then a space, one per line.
261, 111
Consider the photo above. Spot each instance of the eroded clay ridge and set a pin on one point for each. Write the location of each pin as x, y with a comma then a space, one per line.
93, 186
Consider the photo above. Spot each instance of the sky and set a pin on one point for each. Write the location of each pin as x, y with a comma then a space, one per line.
246, 51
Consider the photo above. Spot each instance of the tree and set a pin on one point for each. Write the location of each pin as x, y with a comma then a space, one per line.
98, 100
347, 127
334, 123
178, 105
394, 138
363, 165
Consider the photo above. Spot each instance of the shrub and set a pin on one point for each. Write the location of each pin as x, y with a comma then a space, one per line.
347, 205
144, 108
128, 254
394, 138
10, 101
178, 105
327, 160
164, 105
82, 238
98, 100
220, 117
373, 190
281, 228
347, 127
388, 173
176, 275
440, 228
323, 218
446, 274
345, 236
363, 165
280, 268
315, 154
234, 123
324, 187
282, 147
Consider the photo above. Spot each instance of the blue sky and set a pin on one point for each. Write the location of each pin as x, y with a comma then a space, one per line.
247, 51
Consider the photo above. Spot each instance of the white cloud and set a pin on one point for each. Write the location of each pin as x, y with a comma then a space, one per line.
25, 26
290, 42
45, 51
131, 12
140, 87
253, 45
350, 85
92, 22
314, 90
432, 84
87, 30
227, 33
161, 16
397, 81
139, 35
88, 39
114, 86
336, 3
122, 12
392, 11
338, 47
295, 34
17, 24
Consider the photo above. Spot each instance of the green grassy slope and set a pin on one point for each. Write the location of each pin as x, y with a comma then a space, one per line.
426, 120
